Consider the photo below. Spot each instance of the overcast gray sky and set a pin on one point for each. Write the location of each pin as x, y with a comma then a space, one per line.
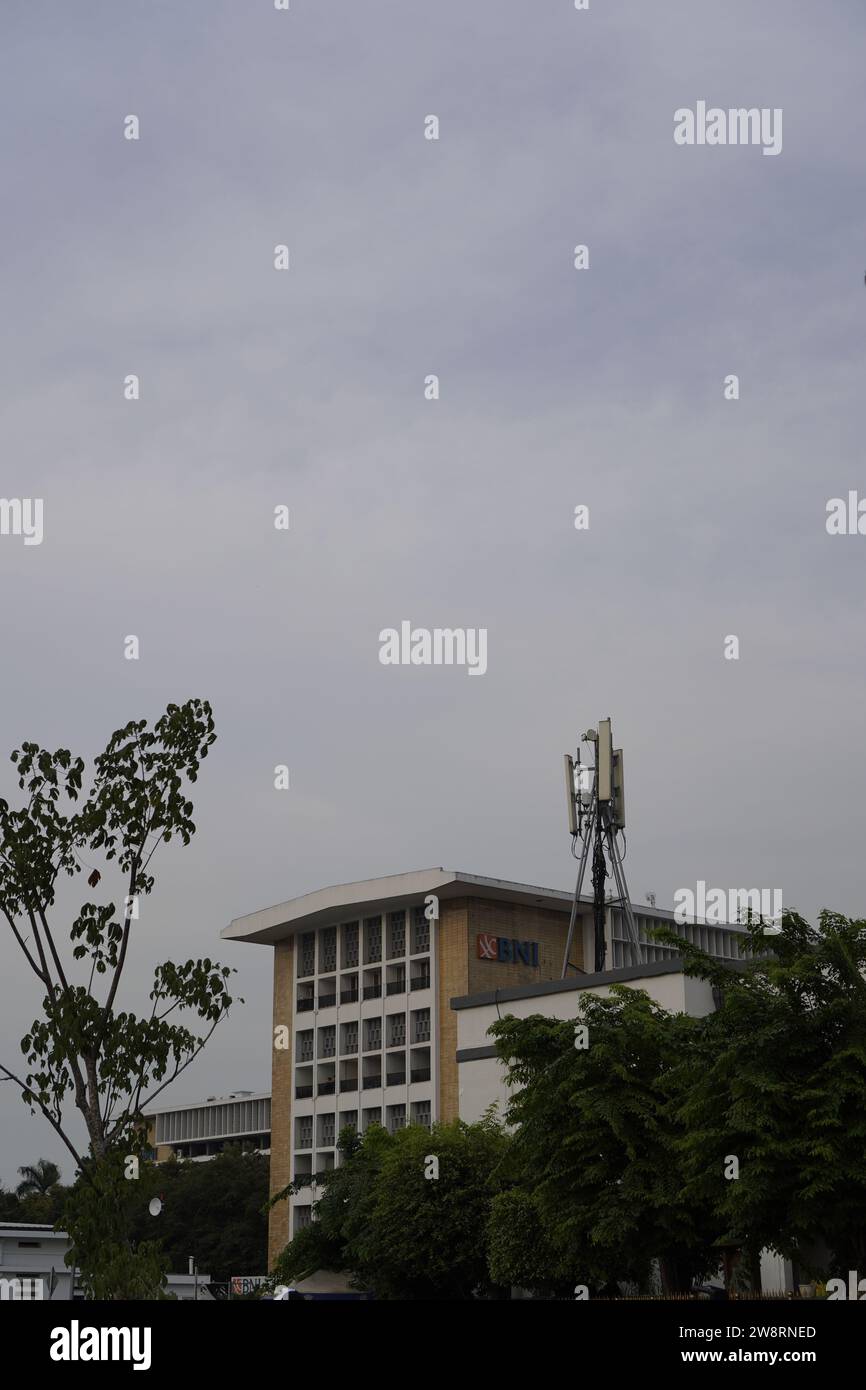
558, 387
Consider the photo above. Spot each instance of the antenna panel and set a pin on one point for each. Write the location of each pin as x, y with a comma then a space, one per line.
618, 807
569, 794
604, 761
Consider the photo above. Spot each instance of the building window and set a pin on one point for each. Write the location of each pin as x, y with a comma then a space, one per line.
306, 997
372, 939
303, 1132
421, 1025
396, 982
419, 1064
348, 1075
420, 976
395, 1074
349, 1037
350, 1118
372, 1034
396, 1030
327, 992
372, 1117
326, 1131
421, 1113
372, 1075
303, 1217
349, 953
420, 931
307, 963
303, 1167
395, 1118
396, 934
348, 989
328, 1041
327, 950
372, 984
305, 1046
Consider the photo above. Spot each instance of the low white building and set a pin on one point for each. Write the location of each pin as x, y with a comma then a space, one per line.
481, 1076
32, 1262
33, 1268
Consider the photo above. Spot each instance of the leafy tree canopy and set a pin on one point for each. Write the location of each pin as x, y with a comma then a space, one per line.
109, 1062
777, 1079
406, 1226
596, 1142
215, 1210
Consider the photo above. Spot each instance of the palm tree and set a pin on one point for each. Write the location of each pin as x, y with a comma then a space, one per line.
39, 1180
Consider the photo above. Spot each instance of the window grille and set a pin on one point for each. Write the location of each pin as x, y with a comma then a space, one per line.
308, 954
372, 940
420, 931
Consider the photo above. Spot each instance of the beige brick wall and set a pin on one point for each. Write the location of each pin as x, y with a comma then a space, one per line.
461, 972
542, 924
453, 980
281, 1096
162, 1152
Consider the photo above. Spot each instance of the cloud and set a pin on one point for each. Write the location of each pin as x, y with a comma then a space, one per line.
558, 387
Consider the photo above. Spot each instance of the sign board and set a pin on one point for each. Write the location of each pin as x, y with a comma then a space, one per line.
506, 949
245, 1283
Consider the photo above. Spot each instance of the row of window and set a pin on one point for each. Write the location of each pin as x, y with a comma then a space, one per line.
371, 1078
207, 1148
326, 1128
349, 990
213, 1120
720, 941
350, 937
371, 1031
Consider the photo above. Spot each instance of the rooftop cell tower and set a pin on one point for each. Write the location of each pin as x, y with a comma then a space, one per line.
595, 795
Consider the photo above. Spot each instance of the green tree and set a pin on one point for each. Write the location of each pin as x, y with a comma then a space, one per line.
102, 1212
10, 1205
520, 1253
606, 1190
39, 1197
428, 1235
110, 1062
777, 1080
342, 1212
215, 1211
38, 1178
400, 1224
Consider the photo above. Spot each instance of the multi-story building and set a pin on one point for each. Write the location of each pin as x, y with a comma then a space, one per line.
202, 1130
364, 976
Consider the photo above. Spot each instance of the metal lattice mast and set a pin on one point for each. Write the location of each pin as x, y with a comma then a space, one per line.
596, 815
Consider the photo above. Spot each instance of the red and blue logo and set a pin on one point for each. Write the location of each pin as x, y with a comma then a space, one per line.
506, 950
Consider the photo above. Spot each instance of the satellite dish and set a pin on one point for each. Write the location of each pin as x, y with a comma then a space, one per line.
155, 1206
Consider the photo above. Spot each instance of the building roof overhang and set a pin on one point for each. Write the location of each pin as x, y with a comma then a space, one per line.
368, 897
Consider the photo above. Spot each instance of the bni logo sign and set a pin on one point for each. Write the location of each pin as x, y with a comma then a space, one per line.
506, 949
